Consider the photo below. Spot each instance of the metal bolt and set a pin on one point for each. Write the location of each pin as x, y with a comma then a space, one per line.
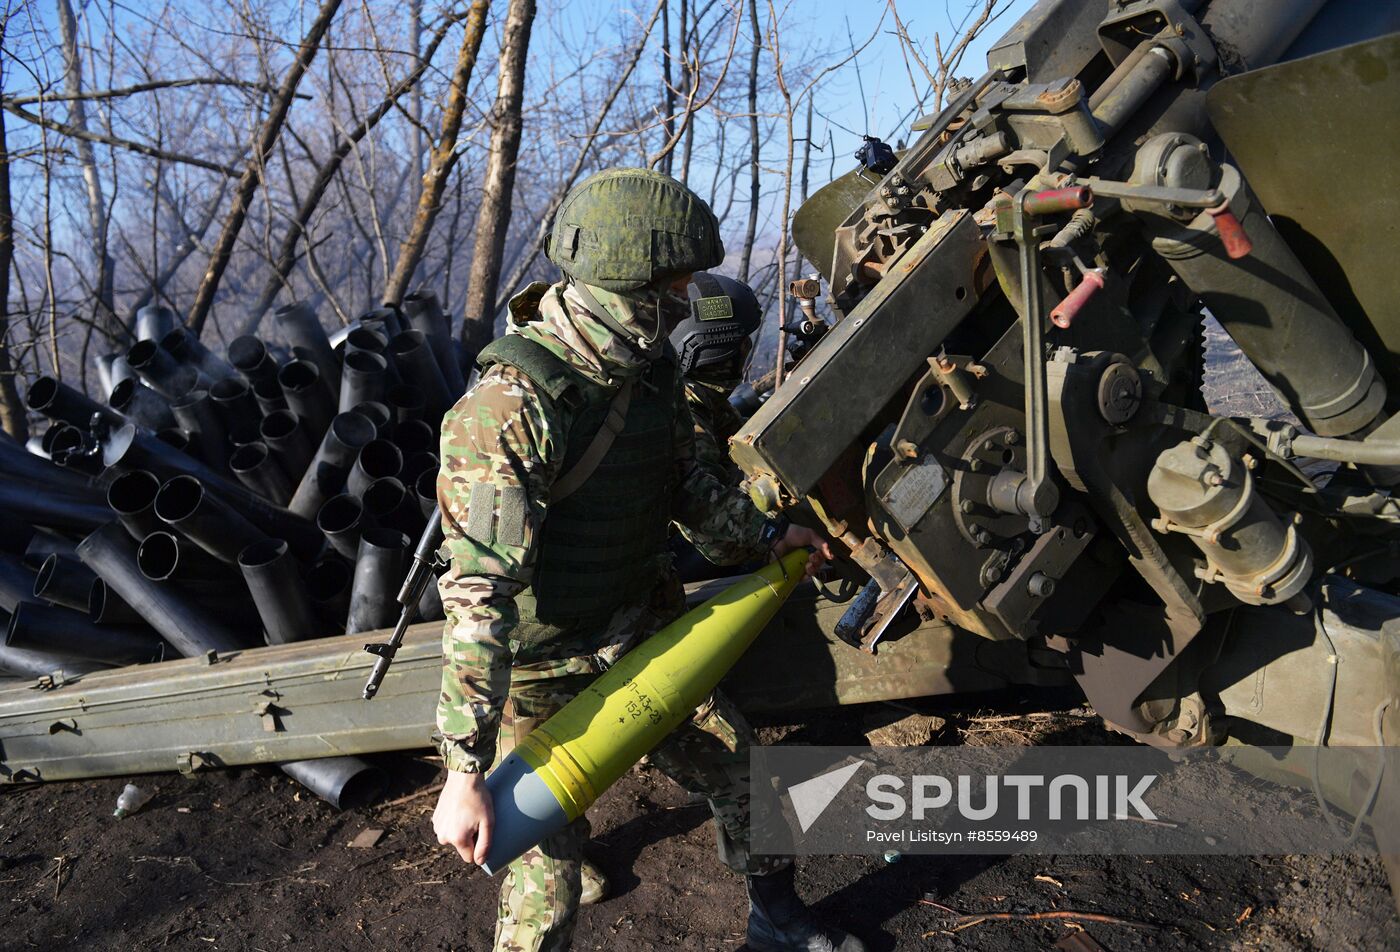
993, 573
967, 505
906, 449
1012, 438
981, 535
764, 493
1040, 585
989, 445
975, 465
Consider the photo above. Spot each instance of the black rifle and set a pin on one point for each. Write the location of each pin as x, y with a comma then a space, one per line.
420, 575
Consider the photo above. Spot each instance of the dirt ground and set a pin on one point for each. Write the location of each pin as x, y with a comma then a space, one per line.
247, 860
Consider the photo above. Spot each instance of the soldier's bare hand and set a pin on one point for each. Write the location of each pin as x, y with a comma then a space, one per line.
798, 537
464, 817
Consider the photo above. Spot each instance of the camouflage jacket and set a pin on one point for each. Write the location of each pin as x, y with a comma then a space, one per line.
715, 422
505, 433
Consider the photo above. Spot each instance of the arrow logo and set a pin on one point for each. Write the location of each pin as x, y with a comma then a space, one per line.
810, 798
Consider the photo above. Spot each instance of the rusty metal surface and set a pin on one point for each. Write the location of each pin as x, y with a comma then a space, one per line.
302, 700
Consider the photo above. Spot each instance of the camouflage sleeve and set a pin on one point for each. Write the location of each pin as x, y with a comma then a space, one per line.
718, 517
710, 454
497, 455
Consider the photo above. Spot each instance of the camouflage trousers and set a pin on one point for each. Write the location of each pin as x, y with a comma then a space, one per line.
707, 755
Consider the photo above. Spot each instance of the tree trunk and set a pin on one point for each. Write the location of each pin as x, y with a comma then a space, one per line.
253, 173
443, 159
685, 30
493, 216
751, 230
668, 91
12, 416
533, 249
92, 182
415, 98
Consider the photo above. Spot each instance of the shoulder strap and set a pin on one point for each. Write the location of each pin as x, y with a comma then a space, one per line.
616, 419
555, 378
544, 369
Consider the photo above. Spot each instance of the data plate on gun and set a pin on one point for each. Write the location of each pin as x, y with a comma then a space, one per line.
915, 492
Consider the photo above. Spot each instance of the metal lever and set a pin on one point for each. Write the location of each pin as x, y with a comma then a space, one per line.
1231, 232
1067, 310
1227, 226
1037, 496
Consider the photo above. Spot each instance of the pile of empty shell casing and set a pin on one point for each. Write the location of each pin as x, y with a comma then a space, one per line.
217, 503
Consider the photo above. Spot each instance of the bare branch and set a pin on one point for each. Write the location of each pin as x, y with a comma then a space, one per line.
88, 95
527, 260
140, 147
444, 157
253, 173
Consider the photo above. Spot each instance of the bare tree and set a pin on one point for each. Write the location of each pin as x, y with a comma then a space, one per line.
96, 204
693, 104
751, 228
946, 61
12, 416
531, 254
229, 187
143, 148
791, 101
326, 173
254, 172
444, 157
493, 218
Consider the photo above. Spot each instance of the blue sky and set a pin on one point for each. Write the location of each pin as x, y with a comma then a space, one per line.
878, 97
873, 94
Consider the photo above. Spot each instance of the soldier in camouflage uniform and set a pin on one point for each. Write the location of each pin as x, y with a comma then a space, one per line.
712, 344
558, 554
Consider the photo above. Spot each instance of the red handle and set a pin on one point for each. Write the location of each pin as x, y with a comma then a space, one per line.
1067, 310
1231, 232
1059, 200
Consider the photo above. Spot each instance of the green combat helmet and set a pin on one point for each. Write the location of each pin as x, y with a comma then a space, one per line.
624, 229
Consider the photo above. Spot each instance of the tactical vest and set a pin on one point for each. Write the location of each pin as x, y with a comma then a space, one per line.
601, 547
